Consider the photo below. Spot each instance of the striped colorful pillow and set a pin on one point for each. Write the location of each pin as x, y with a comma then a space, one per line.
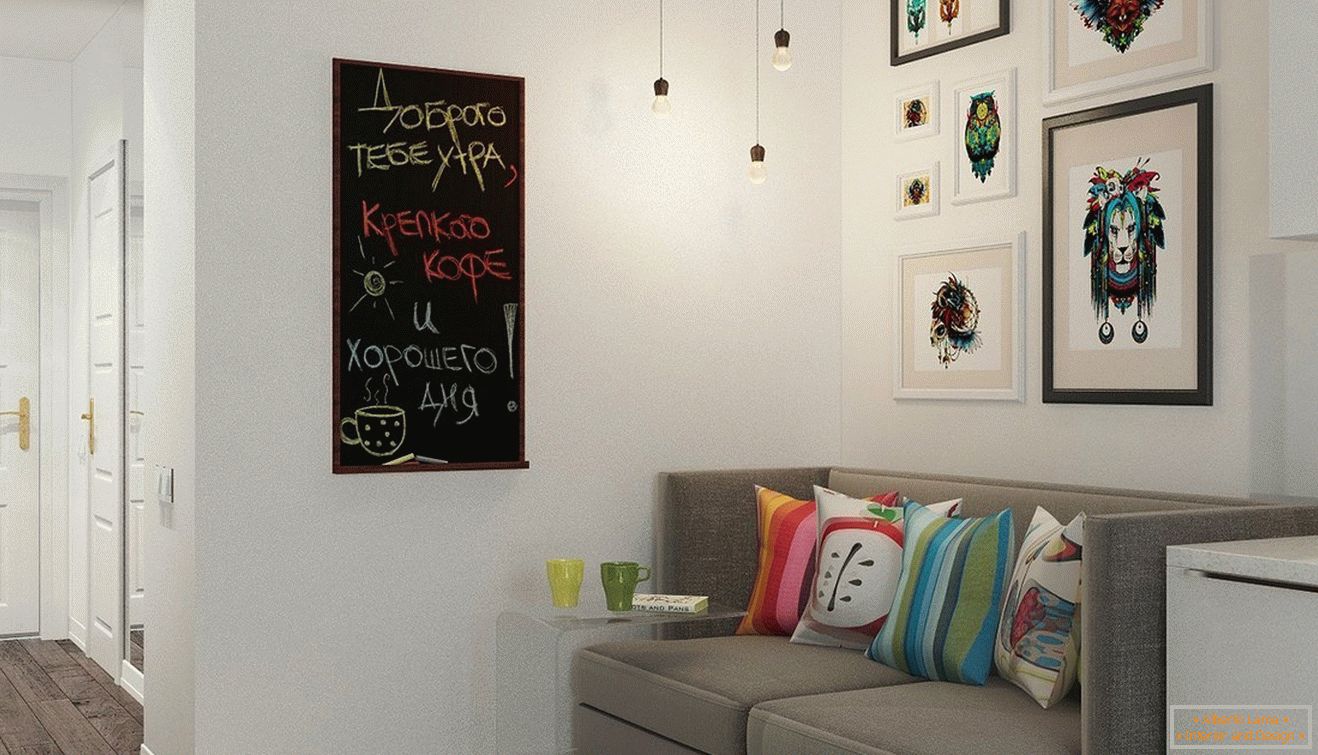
786, 567
944, 616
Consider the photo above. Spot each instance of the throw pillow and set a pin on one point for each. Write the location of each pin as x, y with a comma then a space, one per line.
944, 615
859, 563
786, 563
1038, 647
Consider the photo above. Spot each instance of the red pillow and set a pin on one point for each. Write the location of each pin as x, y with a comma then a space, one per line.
786, 567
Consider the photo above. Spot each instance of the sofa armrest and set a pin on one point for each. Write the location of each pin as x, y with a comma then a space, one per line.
1124, 612
707, 540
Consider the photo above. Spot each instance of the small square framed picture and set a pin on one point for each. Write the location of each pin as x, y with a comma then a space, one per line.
917, 193
915, 112
959, 310
984, 138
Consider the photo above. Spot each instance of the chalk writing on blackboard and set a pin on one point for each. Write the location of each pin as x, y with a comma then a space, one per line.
428, 222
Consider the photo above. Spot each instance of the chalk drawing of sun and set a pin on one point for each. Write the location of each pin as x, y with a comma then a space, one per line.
374, 283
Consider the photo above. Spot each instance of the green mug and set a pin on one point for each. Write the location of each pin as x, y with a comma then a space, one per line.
620, 579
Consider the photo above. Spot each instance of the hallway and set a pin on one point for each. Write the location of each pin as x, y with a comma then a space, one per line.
54, 699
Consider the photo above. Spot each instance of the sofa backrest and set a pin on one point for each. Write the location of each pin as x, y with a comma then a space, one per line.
707, 541
985, 496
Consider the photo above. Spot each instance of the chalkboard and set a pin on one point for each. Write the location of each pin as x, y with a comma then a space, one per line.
429, 293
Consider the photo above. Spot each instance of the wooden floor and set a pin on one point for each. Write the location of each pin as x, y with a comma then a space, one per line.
54, 699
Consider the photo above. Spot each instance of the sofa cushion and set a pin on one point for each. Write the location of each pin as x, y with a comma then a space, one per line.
700, 691
926, 717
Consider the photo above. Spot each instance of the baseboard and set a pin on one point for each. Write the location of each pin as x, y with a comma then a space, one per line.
78, 633
132, 680
146, 750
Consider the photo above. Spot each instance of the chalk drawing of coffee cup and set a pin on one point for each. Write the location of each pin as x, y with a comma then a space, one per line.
379, 430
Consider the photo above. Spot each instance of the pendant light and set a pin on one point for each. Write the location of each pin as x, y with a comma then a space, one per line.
661, 107
757, 172
782, 57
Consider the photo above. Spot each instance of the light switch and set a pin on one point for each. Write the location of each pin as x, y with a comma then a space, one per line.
165, 484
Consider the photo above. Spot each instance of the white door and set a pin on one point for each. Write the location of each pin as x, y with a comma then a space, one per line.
136, 351
20, 548
105, 483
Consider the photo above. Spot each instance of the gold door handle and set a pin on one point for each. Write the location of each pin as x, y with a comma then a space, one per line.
24, 415
136, 413
90, 416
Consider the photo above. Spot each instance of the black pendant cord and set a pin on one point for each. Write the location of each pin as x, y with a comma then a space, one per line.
661, 39
782, 4
757, 71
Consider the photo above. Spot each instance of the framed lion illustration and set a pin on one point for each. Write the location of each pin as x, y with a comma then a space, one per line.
1128, 252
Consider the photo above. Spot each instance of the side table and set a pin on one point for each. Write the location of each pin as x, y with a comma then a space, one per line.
533, 655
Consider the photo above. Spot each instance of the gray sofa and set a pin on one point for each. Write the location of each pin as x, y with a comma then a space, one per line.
700, 689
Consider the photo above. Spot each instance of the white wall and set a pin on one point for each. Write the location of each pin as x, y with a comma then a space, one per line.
1235, 447
679, 317
168, 255
1292, 112
35, 121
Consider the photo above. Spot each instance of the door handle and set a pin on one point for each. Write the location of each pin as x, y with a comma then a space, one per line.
90, 416
24, 415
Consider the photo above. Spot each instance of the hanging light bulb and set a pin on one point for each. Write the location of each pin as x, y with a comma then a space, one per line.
757, 172
661, 107
782, 57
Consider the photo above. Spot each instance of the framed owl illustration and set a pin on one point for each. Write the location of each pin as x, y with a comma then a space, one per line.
920, 28
984, 138
960, 317
1127, 252
1095, 46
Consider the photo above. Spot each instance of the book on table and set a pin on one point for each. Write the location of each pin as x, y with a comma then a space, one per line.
670, 603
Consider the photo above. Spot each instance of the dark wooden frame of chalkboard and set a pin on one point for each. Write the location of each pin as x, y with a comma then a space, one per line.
338, 466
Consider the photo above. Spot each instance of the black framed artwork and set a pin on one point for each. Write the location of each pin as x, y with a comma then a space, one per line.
1128, 252
429, 255
920, 28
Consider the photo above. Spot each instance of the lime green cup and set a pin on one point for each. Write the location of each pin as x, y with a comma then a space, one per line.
620, 579
565, 575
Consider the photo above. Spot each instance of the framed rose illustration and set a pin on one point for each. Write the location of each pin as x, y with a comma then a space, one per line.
1128, 252
960, 315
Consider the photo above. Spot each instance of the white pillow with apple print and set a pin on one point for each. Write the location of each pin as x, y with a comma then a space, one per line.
858, 562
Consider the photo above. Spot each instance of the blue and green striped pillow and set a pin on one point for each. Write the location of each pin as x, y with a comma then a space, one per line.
945, 613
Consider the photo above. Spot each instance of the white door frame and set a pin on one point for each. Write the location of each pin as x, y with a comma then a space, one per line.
51, 194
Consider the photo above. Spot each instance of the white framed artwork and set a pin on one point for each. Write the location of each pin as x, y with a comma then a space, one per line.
985, 133
917, 192
1089, 51
915, 112
959, 313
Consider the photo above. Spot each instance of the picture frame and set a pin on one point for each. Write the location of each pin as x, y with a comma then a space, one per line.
974, 290
1128, 252
985, 138
1085, 57
966, 22
917, 192
916, 112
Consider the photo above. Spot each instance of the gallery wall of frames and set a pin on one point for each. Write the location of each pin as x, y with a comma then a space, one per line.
1126, 192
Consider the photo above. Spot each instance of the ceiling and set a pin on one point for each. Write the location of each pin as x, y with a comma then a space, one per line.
51, 29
